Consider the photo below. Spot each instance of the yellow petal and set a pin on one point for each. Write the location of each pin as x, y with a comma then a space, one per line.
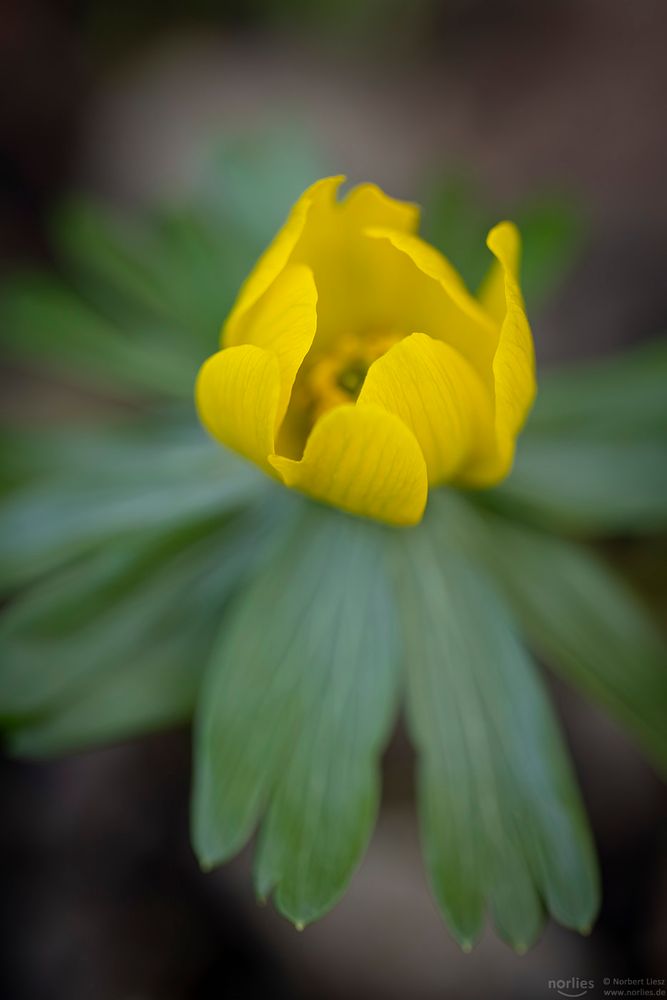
514, 360
323, 234
352, 283
438, 299
237, 394
368, 205
364, 460
439, 396
492, 290
319, 196
283, 321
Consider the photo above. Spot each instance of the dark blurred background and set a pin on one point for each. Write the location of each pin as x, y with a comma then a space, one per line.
101, 895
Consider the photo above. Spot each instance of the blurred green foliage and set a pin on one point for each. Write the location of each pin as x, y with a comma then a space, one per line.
458, 215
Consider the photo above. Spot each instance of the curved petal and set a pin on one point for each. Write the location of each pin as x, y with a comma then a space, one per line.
491, 293
368, 205
514, 361
237, 395
366, 461
276, 256
283, 321
439, 396
323, 234
455, 315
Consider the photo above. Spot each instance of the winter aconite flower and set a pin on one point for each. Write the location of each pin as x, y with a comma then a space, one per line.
357, 368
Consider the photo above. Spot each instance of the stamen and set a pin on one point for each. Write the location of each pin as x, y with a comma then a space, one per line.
352, 378
337, 377
330, 379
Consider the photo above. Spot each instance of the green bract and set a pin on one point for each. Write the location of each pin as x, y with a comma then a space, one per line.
154, 578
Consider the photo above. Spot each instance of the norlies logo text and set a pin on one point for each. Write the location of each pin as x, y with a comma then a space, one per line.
573, 987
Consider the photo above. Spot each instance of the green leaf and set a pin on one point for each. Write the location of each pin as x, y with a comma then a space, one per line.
117, 645
584, 621
593, 458
205, 264
459, 215
18, 459
618, 397
45, 323
296, 706
552, 231
587, 487
112, 253
87, 619
502, 820
150, 689
141, 480
174, 274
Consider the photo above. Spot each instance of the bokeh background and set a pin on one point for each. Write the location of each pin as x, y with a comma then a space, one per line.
518, 100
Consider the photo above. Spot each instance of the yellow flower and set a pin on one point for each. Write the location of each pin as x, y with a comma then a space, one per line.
356, 366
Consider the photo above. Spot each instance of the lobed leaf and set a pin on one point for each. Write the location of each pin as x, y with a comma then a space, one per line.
151, 688
585, 487
46, 324
622, 396
117, 644
175, 273
116, 484
502, 822
295, 707
593, 458
584, 621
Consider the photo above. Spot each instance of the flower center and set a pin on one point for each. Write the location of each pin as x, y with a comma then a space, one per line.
331, 378
337, 377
